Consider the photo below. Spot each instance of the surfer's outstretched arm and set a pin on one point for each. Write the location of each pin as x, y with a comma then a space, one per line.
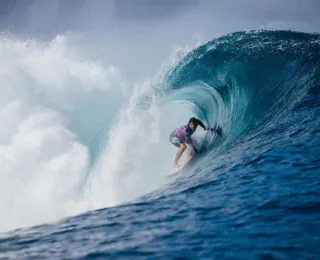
202, 125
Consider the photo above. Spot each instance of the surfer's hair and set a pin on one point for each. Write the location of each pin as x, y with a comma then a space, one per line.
193, 120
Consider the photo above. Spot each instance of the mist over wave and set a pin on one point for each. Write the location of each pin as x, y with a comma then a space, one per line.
48, 98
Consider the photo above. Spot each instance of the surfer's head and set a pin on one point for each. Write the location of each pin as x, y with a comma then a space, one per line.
193, 123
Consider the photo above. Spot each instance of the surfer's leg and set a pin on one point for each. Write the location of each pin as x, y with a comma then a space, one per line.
182, 148
193, 147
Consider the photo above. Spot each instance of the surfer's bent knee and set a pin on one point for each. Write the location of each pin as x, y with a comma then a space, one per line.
182, 146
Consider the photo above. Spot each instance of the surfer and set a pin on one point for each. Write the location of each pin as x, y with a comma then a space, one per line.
182, 136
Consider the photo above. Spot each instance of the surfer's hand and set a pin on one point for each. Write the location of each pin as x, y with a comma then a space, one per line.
218, 130
206, 128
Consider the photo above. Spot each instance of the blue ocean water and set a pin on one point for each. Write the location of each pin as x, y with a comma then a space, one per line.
252, 194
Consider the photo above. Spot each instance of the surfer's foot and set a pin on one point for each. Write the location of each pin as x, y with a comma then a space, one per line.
175, 165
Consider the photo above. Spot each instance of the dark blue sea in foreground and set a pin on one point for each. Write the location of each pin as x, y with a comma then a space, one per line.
254, 193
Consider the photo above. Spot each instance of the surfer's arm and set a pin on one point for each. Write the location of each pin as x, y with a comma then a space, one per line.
202, 125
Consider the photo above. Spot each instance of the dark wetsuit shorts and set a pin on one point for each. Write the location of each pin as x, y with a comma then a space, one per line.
176, 141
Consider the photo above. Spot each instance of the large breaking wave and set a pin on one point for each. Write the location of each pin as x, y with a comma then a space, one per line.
75, 138
247, 81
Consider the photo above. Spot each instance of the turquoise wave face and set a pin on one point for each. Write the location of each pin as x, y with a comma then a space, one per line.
246, 81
